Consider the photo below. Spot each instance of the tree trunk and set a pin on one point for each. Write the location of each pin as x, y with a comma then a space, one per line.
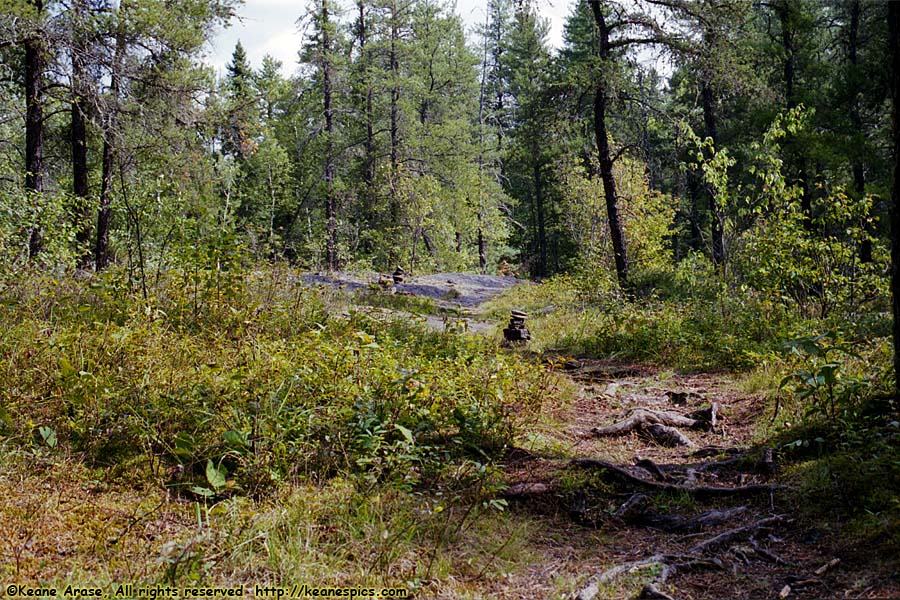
541, 217
34, 126
110, 135
792, 150
857, 168
79, 147
395, 112
482, 247
606, 163
331, 260
894, 36
482, 259
101, 249
645, 132
497, 59
787, 43
369, 147
609, 186
696, 240
709, 121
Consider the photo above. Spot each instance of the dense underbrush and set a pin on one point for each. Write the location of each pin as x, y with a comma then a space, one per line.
688, 318
232, 385
827, 380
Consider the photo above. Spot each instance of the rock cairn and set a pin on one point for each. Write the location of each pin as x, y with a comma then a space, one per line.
516, 332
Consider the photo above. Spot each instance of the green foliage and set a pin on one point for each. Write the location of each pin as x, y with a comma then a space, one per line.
19, 214
376, 296
821, 380
846, 450
698, 325
805, 257
647, 216
219, 385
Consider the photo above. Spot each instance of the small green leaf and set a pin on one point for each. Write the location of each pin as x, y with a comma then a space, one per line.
49, 436
216, 476
184, 445
202, 491
66, 369
237, 439
6, 418
810, 347
406, 433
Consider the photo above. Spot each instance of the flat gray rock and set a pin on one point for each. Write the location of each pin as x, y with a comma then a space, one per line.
449, 289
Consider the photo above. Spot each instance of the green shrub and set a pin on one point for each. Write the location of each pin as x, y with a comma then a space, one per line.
252, 385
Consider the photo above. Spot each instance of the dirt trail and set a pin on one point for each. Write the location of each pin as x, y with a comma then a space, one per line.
680, 505
631, 517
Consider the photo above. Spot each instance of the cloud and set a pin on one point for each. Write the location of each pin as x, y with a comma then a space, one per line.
283, 46
270, 27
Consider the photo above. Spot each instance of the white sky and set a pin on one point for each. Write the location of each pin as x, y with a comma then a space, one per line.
270, 27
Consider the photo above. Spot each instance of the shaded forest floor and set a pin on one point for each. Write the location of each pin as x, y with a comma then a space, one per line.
587, 515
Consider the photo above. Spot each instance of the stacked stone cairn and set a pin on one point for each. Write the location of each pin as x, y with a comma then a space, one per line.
516, 332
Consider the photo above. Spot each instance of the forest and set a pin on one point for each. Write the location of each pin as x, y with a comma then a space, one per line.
445, 310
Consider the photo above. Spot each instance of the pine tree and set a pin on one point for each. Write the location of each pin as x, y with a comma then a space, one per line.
526, 65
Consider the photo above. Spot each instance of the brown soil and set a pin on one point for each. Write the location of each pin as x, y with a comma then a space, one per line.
578, 538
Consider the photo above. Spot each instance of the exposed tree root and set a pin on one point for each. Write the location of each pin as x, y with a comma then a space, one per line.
733, 534
651, 592
525, 491
767, 463
636, 510
711, 467
661, 425
651, 467
590, 591
708, 417
613, 471
669, 565
666, 436
640, 417
708, 451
